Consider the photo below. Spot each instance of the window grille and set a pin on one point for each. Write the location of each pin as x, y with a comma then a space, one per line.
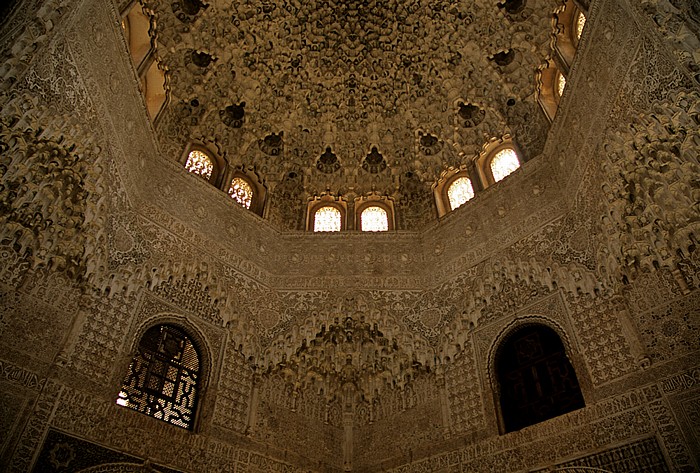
327, 219
241, 192
504, 163
374, 219
162, 378
459, 192
199, 163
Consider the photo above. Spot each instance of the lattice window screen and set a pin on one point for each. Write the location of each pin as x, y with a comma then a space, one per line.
163, 376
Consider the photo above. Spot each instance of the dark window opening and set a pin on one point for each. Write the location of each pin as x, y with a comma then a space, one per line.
537, 381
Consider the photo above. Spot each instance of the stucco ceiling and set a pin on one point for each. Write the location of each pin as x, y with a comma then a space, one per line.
355, 96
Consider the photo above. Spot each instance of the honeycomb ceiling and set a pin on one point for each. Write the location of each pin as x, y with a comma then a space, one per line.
353, 96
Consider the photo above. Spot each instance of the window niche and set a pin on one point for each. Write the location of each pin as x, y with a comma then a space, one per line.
550, 82
455, 188
569, 22
498, 159
326, 214
139, 32
374, 213
164, 377
535, 379
247, 189
201, 162
154, 82
243, 185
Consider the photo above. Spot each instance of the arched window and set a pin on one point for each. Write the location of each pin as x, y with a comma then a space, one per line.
498, 158
455, 187
241, 191
568, 25
374, 219
552, 75
459, 192
163, 376
536, 380
373, 213
504, 163
551, 81
326, 213
327, 219
199, 163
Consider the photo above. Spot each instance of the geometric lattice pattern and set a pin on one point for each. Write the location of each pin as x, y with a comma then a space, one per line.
460, 191
200, 164
504, 163
374, 219
162, 377
327, 219
241, 192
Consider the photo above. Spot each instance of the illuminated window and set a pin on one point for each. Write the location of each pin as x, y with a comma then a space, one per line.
327, 219
163, 376
561, 84
504, 163
460, 191
374, 219
199, 163
241, 192
580, 23
551, 76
